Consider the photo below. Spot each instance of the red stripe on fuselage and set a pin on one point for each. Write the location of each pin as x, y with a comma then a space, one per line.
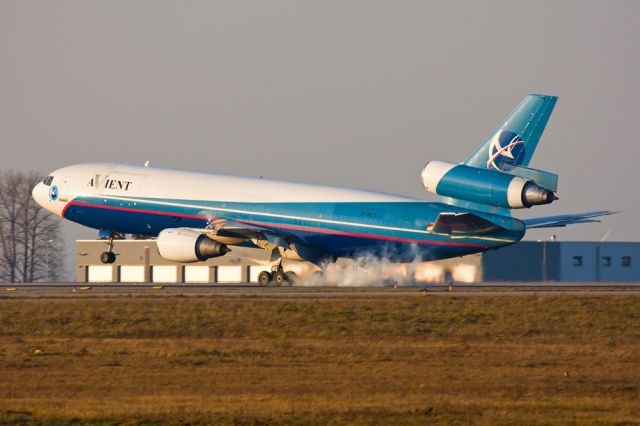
277, 225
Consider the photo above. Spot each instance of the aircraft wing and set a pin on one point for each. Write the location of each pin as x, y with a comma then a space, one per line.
565, 219
280, 244
235, 229
235, 232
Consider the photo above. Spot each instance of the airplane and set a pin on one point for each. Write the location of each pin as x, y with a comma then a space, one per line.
197, 216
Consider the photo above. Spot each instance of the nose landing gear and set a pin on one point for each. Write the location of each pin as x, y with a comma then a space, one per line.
109, 256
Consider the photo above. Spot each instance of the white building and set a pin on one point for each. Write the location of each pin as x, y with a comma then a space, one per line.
138, 261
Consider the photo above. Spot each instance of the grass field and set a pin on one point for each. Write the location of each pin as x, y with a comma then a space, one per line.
145, 360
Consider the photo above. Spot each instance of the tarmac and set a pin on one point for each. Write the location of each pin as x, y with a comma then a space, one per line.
58, 290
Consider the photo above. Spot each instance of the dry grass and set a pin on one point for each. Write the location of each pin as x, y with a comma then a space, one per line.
552, 360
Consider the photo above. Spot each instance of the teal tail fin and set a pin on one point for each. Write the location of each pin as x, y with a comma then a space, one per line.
513, 143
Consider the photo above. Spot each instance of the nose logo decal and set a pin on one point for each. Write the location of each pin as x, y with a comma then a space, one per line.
53, 193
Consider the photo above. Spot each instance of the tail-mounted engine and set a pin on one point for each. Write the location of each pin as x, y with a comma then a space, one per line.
186, 246
483, 186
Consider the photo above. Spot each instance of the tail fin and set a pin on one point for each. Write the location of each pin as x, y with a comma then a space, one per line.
514, 142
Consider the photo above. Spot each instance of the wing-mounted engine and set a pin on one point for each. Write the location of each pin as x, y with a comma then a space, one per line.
198, 244
186, 246
484, 186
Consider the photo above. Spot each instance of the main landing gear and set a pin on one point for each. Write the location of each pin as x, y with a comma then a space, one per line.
109, 256
277, 276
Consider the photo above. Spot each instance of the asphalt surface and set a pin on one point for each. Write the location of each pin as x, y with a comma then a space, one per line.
40, 290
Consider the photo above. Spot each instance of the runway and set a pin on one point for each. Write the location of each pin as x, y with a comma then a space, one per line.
57, 290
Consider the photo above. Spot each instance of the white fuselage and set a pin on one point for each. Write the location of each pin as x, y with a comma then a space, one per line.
113, 180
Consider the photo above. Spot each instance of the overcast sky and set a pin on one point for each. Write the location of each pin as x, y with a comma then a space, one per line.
354, 93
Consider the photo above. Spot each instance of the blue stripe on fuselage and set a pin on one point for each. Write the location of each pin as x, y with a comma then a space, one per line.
397, 230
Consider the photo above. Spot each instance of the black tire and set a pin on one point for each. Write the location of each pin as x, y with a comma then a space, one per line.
108, 257
264, 278
279, 277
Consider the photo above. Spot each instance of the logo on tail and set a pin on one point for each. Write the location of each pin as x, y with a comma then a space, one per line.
505, 150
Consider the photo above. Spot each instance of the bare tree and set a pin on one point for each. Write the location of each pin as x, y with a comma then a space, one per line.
30, 237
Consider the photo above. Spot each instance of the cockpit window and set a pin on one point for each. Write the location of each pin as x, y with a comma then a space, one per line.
47, 181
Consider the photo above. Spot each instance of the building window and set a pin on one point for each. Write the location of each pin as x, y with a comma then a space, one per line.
626, 261
577, 261
606, 261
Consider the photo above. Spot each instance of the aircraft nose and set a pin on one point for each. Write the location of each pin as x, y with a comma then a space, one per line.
40, 194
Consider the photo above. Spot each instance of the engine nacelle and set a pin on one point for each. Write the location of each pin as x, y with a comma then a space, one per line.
483, 186
186, 246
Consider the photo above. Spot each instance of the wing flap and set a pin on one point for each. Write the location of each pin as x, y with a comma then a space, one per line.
235, 229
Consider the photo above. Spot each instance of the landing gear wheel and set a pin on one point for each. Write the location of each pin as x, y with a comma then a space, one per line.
264, 278
108, 257
279, 277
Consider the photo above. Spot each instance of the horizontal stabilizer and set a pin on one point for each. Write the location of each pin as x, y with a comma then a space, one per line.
541, 178
564, 220
462, 224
